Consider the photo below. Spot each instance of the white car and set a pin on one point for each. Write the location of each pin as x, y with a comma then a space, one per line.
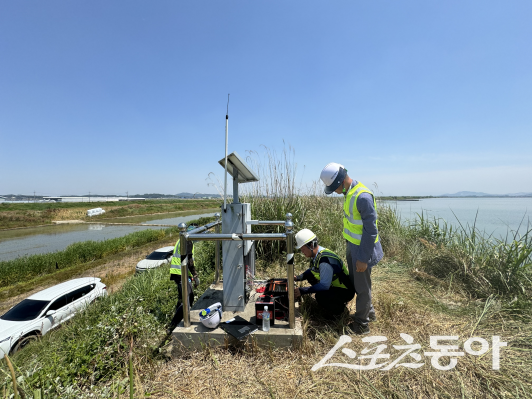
155, 259
45, 310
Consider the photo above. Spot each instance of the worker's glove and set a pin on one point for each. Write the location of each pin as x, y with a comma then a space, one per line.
196, 281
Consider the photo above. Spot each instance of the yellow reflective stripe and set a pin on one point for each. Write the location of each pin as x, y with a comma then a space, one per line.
175, 264
352, 235
353, 225
176, 269
335, 282
354, 198
352, 221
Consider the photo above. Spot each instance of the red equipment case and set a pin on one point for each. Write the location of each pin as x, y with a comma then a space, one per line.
265, 300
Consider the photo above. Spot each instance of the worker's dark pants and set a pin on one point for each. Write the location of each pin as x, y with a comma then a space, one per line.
332, 302
178, 315
362, 284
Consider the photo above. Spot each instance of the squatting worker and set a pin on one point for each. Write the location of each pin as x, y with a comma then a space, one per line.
327, 274
175, 275
364, 249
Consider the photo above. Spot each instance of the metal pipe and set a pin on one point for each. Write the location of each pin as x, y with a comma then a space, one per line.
217, 252
184, 273
289, 226
236, 237
264, 236
266, 222
214, 237
226, 139
205, 228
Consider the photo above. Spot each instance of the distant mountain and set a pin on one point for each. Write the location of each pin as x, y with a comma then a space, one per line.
478, 194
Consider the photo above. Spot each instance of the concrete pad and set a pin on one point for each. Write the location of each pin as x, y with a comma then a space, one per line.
198, 336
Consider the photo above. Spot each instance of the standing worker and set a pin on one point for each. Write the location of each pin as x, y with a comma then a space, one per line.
327, 274
363, 247
175, 275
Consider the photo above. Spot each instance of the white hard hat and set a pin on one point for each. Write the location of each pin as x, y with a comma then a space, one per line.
304, 237
333, 175
211, 316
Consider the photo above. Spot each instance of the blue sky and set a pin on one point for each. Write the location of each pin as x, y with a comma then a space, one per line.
420, 97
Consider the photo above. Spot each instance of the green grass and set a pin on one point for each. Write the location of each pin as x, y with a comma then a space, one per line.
148, 204
28, 271
434, 281
30, 267
89, 355
480, 265
36, 214
92, 348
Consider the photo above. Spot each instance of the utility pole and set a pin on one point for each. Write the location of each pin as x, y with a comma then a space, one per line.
127, 195
34, 197
89, 196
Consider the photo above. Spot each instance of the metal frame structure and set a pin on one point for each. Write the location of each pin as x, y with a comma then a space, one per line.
237, 241
197, 235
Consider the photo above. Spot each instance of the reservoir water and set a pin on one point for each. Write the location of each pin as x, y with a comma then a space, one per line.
491, 216
31, 241
494, 216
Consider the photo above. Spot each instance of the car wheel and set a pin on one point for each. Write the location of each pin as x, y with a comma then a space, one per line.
23, 342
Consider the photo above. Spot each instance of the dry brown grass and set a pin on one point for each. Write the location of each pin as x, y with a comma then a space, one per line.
404, 304
70, 214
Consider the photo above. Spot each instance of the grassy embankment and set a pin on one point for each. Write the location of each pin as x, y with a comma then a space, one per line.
96, 343
37, 214
433, 281
25, 273
90, 354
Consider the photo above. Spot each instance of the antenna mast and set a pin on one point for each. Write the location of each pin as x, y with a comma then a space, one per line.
226, 139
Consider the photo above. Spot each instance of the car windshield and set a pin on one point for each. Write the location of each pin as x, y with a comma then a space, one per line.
158, 255
26, 310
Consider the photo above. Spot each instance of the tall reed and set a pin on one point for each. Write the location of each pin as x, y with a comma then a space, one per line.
278, 193
484, 265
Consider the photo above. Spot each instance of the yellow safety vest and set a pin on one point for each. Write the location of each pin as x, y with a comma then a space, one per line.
315, 267
352, 220
175, 264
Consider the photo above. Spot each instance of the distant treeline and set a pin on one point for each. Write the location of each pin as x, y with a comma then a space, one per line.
21, 197
403, 198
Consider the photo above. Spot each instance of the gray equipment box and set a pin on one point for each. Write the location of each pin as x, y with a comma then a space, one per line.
234, 254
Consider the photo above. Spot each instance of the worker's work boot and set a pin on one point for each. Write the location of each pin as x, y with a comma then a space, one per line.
359, 329
371, 317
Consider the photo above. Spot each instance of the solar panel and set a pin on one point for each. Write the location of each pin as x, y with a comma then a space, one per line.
236, 163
